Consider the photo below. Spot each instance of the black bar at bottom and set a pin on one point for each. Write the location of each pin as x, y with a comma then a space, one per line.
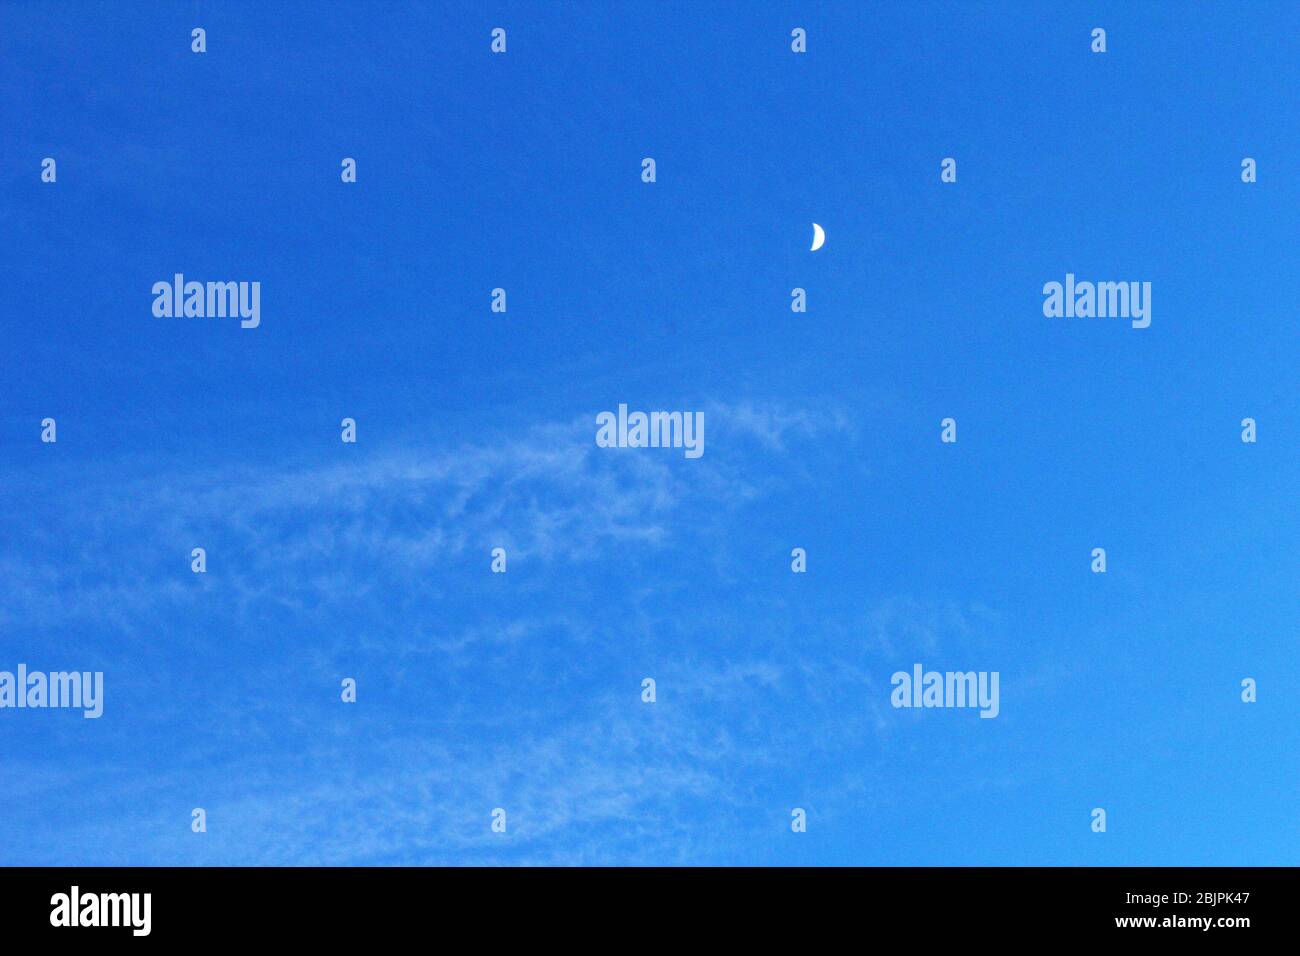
656, 906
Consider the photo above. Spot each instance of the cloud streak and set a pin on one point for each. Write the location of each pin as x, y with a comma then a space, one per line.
379, 567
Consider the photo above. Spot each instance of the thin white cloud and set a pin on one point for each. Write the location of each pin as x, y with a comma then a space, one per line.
295, 535
598, 778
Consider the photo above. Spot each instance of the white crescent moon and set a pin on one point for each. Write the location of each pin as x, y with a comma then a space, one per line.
819, 237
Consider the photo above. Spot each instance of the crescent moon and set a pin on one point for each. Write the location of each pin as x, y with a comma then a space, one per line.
819, 237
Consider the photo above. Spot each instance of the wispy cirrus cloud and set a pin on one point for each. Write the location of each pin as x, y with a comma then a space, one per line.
296, 535
476, 690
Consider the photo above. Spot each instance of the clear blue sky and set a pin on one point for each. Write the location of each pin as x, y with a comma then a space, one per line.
476, 430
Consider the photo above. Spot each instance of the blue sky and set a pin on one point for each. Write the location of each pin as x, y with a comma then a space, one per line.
476, 430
